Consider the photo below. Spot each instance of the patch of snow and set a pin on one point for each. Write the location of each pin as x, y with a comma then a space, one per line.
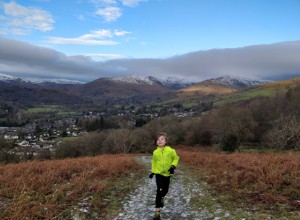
59, 81
5, 77
135, 79
176, 82
171, 82
237, 81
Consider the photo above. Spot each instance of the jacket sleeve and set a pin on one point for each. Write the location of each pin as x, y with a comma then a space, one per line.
175, 158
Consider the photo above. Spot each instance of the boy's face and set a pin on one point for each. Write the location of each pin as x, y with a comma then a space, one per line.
161, 141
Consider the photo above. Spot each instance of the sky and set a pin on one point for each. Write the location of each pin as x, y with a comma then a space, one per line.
193, 39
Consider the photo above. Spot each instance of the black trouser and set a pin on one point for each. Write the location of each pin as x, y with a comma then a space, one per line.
162, 183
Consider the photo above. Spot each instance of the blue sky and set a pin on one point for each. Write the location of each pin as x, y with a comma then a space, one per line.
147, 29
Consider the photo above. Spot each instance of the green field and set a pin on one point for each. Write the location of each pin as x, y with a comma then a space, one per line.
49, 109
249, 94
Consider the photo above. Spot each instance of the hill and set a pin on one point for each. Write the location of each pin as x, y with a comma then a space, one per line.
221, 85
123, 89
20, 95
267, 89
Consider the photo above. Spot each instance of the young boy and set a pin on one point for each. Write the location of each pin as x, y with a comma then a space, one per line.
164, 162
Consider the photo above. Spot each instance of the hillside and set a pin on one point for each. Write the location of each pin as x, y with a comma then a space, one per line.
112, 88
266, 89
20, 95
66, 189
207, 88
213, 185
221, 85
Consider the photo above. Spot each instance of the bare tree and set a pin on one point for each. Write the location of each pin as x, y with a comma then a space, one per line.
285, 133
118, 140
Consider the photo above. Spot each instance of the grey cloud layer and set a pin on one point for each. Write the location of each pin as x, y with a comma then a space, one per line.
273, 61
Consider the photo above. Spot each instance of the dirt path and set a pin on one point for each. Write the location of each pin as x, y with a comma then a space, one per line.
185, 200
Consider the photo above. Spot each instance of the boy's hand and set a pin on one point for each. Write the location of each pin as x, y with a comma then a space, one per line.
171, 170
151, 175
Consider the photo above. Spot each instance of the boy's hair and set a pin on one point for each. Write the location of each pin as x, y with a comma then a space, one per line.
162, 134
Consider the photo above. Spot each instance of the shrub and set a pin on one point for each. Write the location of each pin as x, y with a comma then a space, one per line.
230, 143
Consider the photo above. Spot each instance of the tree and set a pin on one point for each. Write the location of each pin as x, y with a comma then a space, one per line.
141, 140
233, 121
285, 133
118, 140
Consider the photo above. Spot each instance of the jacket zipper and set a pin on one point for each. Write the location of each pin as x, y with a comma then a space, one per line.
163, 159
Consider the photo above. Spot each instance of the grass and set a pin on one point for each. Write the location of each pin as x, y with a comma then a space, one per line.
268, 89
257, 182
248, 94
64, 189
44, 108
49, 109
262, 184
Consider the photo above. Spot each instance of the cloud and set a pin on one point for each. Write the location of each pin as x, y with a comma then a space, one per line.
110, 10
103, 2
27, 60
110, 13
269, 62
131, 3
18, 19
98, 37
105, 56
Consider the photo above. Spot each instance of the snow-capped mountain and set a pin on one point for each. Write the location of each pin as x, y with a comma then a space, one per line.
5, 77
169, 82
237, 82
176, 83
135, 79
44, 83
59, 81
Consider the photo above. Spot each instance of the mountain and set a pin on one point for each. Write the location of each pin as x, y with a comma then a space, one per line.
173, 83
267, 89
24, 96
11, 80
129, 89
46, 83
25, 93
136, 79
59, 84
222, 85
5, 77
176, 83
236, 82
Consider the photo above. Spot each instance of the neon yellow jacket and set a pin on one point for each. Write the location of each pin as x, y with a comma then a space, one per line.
162, 159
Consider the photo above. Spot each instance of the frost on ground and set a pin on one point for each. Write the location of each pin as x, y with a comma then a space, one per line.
186, 199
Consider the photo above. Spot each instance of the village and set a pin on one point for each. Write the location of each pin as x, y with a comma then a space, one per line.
39, 138
33, 137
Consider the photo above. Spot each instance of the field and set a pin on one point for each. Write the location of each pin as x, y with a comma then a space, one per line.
266, 181
248, 94
64, 189
49, 109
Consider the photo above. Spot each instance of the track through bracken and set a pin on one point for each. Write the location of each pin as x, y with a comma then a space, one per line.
186, 199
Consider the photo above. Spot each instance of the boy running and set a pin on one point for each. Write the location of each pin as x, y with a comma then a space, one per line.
164, 162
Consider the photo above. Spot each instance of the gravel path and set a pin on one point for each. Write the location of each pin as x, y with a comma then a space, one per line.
185, 200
